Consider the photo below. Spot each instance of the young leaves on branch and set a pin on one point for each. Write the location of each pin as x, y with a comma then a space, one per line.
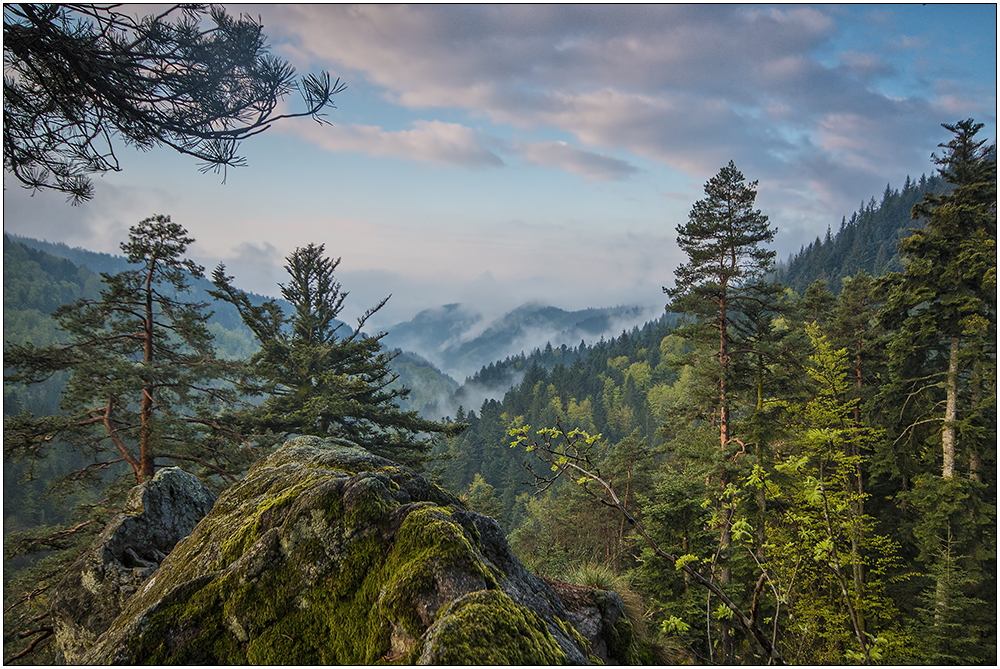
568, 454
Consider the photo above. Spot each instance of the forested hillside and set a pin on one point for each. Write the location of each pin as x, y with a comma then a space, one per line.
868, 240
97, 263
616, 387
850, 506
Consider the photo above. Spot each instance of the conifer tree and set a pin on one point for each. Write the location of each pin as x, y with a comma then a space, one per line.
315, 382
726, 264
942, 364
945, 302
84, 77
143, 382
725, 270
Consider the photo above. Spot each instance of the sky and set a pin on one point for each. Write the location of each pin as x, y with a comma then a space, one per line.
499, 154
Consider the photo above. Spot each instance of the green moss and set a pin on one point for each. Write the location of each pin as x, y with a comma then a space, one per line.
621, 643
368, 500
332, 582
429, 540
573, 634
327, 624
487, 627
185, 631
267, 514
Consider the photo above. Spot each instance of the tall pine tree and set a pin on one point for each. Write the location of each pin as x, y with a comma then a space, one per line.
726, 266
143, 384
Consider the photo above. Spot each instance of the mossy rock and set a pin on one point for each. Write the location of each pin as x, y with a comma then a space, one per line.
156, 515
488, 628
327, 554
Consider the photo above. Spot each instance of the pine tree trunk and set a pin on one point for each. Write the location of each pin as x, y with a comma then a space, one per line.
723, 366
146, 458
858, 381
726, 640
950, 412
941, 591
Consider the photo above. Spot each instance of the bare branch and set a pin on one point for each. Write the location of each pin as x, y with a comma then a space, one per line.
44, 632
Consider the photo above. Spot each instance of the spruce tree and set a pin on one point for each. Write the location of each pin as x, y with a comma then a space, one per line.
315, 381
942, 363
944, 304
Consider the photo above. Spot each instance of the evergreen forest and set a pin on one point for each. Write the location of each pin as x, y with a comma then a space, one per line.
796, 462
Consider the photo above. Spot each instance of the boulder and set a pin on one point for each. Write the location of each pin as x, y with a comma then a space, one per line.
327, 554
157, 514
599, 617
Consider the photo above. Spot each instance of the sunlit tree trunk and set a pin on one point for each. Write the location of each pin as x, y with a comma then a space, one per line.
950, 412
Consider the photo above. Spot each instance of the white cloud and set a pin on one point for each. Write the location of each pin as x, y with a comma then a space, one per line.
426, 141
691, 86
455, 144
571, 159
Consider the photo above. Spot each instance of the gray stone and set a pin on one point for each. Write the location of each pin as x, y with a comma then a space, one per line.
599, 616
157, 514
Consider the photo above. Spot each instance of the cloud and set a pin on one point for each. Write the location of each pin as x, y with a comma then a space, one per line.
956, 99
427, 141
597, 90
572, 159
255, 267
690, 86
457, 145
100, 224
866, 65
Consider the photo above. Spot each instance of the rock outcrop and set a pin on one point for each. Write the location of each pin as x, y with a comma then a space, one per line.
327, 554
157, 514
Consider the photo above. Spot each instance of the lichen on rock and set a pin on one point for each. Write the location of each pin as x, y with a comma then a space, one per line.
327, 554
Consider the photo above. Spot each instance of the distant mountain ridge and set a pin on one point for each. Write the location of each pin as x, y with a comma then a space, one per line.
460, 341
867, 241
41, 275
